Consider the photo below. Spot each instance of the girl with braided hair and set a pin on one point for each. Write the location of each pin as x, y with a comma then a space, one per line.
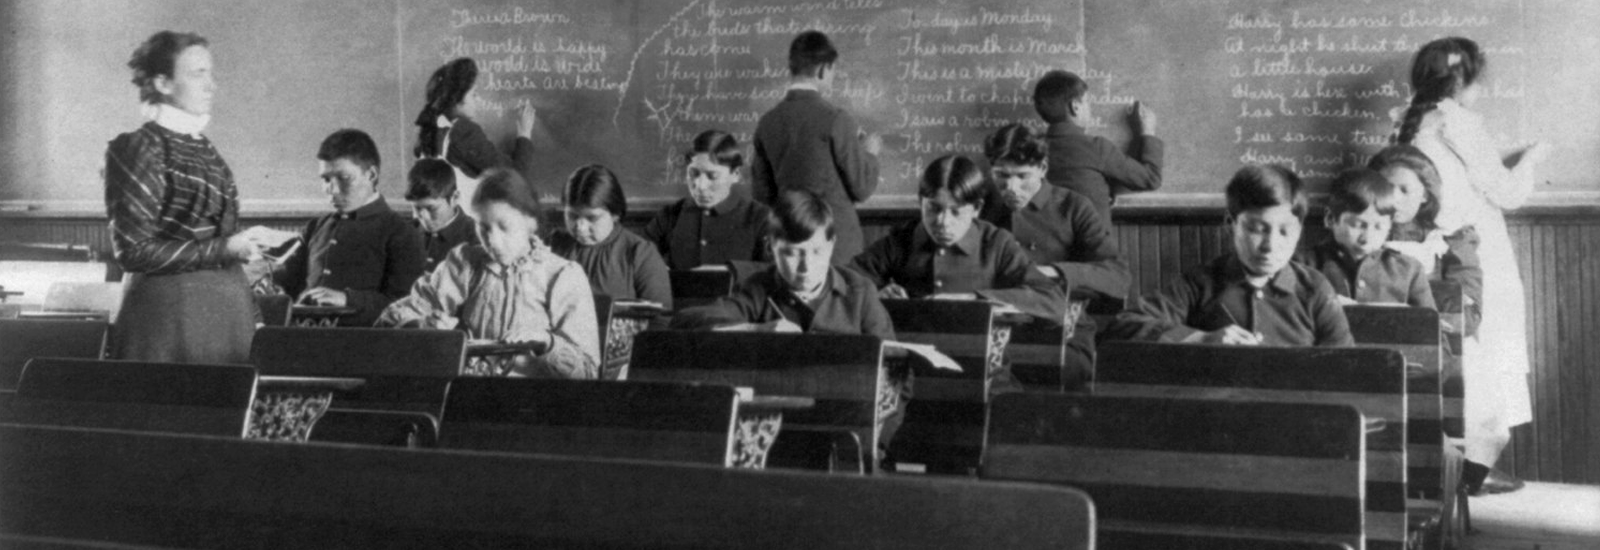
1475, 187
445, 129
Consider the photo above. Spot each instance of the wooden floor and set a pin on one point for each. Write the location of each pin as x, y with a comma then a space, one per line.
1542, 516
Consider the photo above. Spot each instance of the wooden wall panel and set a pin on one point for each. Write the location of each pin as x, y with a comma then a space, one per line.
1558, 253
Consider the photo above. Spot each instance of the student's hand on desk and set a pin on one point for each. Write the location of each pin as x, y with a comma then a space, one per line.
1347, 301
1233, 335
1049, 271
893, 291
324, 296
779, 326
530, 116
1142, 119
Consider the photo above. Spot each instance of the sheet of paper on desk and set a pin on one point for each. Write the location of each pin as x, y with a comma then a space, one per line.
270, 237
638, 303
935, 357
711, 267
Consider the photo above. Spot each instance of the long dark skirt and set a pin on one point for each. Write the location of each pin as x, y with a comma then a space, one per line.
204, 316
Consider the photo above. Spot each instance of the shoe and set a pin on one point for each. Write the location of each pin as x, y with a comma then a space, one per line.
1499, 482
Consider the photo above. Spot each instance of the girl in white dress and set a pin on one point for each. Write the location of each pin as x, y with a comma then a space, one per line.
1476, 185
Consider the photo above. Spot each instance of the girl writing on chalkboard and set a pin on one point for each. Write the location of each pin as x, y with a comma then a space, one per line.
174, 214
511, 288
445, 128
1475, 186
620, 264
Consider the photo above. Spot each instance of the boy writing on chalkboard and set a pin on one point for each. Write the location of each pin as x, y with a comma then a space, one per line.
363, 255
808, 144
1361, 210
1255, 295
1092, 165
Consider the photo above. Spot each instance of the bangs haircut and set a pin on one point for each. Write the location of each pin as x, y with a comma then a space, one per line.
798, 216
1054, 94
810, 51
502, 185
957, 174
720, 146
1015, 144
594, 186
429, 179
1357, 189
354, 145
1257, 187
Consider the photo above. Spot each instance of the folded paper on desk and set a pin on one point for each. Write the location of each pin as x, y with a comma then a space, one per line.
935, 357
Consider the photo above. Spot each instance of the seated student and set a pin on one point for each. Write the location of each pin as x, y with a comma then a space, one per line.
951, 254
1254, 295
363, 255
712, 226
1451, 256
1093, 165
1361, 209
433, 202
802, 291
620, 264
1058, 227
511, 288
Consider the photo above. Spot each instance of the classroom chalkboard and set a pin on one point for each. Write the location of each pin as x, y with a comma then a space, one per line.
628, 83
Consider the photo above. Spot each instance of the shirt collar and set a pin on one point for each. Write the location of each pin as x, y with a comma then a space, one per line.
371, 208
455, 214
722, 208
178, 120
1065, 128
968, 244
1233, 273
833, 284
1042, 198
807, 86
537, 253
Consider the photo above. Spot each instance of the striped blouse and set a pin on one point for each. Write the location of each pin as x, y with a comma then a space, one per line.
171, 201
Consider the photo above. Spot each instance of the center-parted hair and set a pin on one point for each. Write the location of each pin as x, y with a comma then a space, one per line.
430, 179
1411, 158
720, 146
1440, 70
1054, 94
594, 186
810, 50
798, 216
1015, 144
447, 88
1357, 189
1264, 186
354, 145
158, 56
502, 185
957, 174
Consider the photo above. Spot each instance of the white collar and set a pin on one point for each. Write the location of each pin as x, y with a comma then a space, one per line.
804, 86
178, 120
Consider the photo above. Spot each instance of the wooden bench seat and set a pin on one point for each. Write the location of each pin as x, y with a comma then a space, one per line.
168, 491
1189, 468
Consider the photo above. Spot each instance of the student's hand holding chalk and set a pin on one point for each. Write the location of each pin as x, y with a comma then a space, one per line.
324, 296
530, 117
1142, 119
873, 143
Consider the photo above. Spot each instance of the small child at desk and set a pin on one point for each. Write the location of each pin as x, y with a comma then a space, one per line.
433, 197
713, 225
1255, 295
1361, 210
363, 255
802, 291
1448, 257
620, 264
511, 288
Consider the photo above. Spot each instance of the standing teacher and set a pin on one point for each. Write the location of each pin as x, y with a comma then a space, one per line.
174, 215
